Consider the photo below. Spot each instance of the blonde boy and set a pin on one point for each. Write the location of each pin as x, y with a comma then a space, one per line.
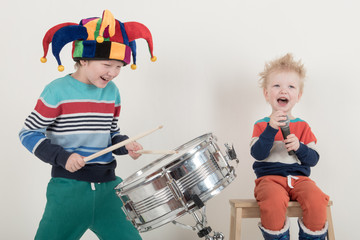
280, 176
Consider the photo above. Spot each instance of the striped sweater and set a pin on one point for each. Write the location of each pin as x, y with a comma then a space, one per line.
272, 158
74, 117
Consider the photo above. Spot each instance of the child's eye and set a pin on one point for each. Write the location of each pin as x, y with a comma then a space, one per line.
276, 85
291, 86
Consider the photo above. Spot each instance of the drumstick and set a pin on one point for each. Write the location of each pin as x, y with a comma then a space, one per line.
156, 151
120, 144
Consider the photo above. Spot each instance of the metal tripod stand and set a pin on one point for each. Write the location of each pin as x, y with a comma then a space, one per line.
201, 222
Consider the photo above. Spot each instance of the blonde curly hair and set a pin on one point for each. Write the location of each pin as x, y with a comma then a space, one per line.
283, 64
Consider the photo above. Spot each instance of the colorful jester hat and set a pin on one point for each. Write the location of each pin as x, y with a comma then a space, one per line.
98, 39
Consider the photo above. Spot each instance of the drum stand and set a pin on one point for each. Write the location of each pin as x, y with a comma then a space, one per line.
203, 230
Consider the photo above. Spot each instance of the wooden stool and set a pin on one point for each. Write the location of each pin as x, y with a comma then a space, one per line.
248, 208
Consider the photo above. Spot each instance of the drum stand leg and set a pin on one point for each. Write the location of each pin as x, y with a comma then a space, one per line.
203, 230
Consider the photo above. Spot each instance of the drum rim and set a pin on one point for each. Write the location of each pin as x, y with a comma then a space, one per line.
136, 179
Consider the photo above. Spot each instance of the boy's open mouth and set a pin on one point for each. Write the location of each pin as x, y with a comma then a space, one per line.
104, 79
283, 101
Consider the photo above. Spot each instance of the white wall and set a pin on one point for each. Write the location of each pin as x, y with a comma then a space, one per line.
209, 54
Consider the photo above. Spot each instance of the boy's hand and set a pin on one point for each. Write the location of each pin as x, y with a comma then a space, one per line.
74, 162
132, 148
292, 143
275, 119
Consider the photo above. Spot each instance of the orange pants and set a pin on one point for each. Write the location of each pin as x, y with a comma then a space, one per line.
274, 192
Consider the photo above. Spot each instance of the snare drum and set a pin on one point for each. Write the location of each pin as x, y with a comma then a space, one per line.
164, 190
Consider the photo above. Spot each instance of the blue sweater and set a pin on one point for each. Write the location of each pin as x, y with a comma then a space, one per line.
74, 117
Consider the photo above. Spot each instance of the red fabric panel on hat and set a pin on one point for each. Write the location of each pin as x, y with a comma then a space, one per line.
50, 33
137, 30
118, 36
106, 32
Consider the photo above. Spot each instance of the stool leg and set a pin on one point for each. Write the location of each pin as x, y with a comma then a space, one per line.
235, 223
232, 222
331, 234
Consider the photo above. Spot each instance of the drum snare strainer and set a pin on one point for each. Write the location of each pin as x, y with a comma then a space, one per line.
174, 185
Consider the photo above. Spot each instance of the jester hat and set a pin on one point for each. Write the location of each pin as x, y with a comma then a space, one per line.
95, 38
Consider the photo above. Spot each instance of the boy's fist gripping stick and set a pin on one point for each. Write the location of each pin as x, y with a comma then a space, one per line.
120, 144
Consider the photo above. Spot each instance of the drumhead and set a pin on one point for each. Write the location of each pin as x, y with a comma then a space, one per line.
156, 168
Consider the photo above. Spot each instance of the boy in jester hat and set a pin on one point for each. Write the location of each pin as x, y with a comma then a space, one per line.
282, 166
76, 116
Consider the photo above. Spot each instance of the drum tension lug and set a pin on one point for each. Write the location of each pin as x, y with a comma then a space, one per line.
198, 202
230, 151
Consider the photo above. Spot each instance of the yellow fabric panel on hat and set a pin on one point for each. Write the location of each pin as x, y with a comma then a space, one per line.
108, 21
91, 28
117, 51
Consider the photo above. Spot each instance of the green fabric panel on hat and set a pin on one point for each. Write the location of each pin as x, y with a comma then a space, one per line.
79, 48
98, 26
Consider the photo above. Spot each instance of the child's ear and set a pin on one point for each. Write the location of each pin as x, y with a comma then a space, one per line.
83, 62
299, 96
266, 94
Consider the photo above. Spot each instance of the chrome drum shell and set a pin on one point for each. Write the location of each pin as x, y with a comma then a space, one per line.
164, 190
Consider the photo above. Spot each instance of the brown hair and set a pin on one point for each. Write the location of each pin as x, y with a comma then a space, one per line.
77, 64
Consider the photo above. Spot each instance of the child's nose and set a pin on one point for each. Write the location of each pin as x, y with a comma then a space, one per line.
283, 90
113, 72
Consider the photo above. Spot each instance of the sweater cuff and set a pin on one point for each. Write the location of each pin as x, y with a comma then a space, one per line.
52, 153
116, 139
269, 132
302, 151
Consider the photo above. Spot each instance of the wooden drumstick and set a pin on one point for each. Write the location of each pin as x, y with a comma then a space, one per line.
120, 144
156, 151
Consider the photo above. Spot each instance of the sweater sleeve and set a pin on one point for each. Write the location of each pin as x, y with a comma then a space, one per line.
116, 139
307, 156
33, 136
307, 153
260, 150
52, 153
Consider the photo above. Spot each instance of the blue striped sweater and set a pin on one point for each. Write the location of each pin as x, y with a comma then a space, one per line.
74, 117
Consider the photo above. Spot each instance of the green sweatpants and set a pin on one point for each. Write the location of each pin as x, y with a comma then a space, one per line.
74, 206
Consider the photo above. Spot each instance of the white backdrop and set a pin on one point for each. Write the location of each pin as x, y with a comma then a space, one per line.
205, 80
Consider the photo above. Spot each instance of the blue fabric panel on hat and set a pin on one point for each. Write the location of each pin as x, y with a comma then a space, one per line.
132, 45
123, 32
65, 35
89, 49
